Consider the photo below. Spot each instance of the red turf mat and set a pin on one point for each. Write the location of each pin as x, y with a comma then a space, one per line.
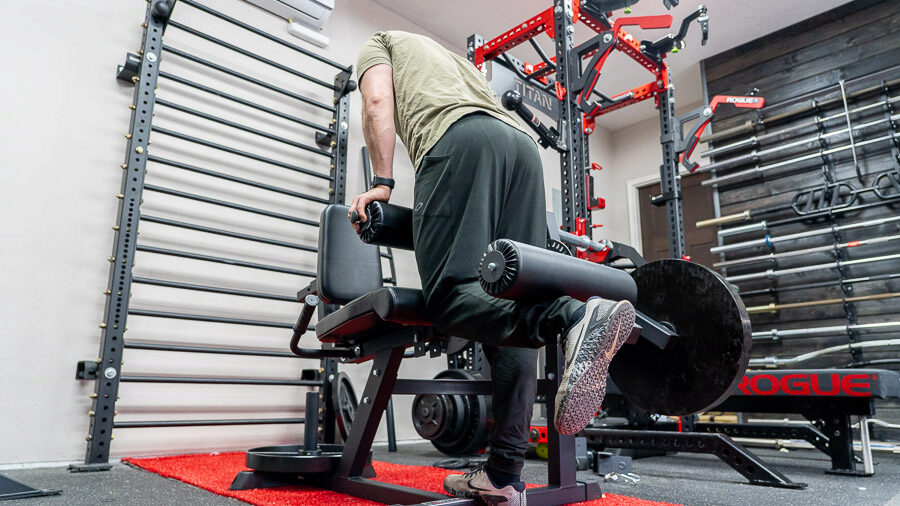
214, 472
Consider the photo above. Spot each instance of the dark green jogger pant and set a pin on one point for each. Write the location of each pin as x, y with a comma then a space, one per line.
483, 181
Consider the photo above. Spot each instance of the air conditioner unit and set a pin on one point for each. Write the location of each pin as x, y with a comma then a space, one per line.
313, 13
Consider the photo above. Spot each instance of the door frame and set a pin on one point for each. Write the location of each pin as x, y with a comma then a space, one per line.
634, 208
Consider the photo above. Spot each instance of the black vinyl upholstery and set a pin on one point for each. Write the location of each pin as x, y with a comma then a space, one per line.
347, 268
376, 313
517, 271
349, 274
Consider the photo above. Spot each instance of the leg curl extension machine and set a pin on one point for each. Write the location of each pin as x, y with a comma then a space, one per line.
687, 352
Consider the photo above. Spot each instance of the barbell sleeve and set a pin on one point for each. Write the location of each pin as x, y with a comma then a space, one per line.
775, 334
724, 219
769, 241
517, 271
580, 241
770, 273
774, 308
743, 229
776, 361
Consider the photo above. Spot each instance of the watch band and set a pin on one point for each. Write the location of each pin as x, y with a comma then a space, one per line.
386, 181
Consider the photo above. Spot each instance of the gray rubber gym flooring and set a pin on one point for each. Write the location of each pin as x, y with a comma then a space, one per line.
678, 478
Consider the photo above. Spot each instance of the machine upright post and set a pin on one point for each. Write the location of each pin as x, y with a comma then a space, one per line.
560, 471
337, 194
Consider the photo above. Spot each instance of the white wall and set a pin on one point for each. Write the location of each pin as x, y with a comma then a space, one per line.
62, 126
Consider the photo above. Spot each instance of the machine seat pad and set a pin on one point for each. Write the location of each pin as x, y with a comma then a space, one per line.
877, 383
375, 313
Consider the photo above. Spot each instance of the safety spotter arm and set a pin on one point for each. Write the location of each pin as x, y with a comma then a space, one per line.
687, 146
549, 137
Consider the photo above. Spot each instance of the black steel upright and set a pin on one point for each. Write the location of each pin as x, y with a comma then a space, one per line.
573, 161
109, 363
669, 179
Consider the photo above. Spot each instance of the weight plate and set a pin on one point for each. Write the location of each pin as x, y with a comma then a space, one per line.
344, 403
711, 352
465, 418
289, 459
430, 413
559, 247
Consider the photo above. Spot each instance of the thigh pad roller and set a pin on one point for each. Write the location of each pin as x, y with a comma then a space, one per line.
513, 270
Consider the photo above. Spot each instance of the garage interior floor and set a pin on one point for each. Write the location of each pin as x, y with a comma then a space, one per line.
677, 478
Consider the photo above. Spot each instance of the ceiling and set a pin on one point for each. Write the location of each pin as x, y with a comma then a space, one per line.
732, 23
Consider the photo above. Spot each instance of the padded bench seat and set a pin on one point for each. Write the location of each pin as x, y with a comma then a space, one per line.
374, 314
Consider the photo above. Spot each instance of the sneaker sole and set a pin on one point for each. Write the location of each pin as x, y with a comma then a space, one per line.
582, 397
474, 494
466, 494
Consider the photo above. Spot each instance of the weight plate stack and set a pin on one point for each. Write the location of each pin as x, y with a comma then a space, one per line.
455, 424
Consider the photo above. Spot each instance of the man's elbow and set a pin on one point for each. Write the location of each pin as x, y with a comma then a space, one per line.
376, 101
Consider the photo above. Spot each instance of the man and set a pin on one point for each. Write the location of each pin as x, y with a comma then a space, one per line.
479, 178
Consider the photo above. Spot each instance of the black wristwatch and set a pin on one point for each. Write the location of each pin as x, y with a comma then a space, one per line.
386, 181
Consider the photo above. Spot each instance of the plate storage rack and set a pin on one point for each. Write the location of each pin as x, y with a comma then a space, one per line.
807, 190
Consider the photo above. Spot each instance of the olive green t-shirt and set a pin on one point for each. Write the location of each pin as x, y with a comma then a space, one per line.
432, 88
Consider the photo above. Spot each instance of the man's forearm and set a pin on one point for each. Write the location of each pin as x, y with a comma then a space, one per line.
380, 134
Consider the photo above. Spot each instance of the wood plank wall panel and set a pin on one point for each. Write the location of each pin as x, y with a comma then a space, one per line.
791, 68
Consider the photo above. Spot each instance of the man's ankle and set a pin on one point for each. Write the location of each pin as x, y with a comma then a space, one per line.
576, 317
501, 479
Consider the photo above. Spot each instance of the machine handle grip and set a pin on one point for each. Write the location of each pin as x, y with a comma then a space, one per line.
310, 302
386, 225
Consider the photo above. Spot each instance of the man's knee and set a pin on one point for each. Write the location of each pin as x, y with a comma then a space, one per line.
466, 311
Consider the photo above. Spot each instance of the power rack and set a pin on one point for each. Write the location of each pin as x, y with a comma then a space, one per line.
571, 75
573, 84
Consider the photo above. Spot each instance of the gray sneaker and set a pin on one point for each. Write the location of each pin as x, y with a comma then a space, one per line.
477, 485
590, 345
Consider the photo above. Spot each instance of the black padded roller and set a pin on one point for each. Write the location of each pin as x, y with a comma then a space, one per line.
387, 225
513, 270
